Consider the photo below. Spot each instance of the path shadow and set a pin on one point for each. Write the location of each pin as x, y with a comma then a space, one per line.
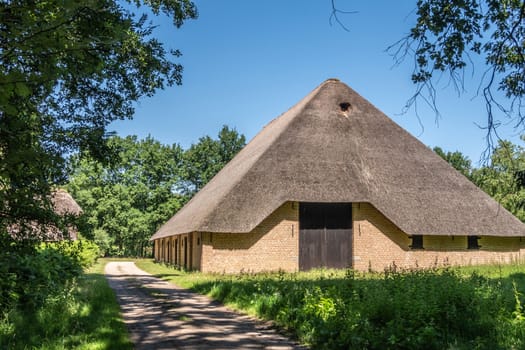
162, 316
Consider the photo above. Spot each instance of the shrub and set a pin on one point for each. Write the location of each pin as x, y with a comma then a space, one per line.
84, 252
32, 272
422, 309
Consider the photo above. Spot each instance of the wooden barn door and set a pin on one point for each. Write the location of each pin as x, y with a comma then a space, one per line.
325, 235
185, 244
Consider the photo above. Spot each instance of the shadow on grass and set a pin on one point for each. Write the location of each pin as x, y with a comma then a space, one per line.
168, 275
518, 277
88, 317
415, 309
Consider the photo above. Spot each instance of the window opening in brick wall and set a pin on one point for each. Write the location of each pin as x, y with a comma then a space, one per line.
473, 242
417, 242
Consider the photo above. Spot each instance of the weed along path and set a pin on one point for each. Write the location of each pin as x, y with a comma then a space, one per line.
160, 315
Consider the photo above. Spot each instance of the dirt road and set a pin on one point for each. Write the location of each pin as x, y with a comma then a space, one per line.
160, 315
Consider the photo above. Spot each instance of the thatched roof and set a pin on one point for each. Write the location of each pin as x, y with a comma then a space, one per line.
334, 146
63, 204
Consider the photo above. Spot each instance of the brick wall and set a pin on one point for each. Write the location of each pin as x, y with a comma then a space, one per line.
173, 250
378, 243
271, 246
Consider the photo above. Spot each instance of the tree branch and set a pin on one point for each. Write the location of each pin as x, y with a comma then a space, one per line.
334, 15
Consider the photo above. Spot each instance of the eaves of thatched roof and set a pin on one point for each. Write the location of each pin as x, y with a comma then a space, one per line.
334, 146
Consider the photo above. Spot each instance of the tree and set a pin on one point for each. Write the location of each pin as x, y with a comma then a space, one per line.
68, 69
207, 157
504, 179
447, 35
126, 202
459, 161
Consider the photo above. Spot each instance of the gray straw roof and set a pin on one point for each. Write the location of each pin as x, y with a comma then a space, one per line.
334, 146
64, 204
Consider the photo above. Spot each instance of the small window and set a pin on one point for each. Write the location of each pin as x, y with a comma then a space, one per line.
417, 242
473, 242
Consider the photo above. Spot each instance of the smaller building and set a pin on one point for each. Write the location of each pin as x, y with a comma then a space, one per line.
333, 182
63, 205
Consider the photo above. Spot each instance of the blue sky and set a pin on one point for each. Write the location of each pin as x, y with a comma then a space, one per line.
246, 62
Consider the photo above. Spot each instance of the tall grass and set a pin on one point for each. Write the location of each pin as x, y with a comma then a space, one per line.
475, 308
85, 315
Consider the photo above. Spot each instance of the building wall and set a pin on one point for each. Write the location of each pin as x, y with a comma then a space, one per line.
272, 245
379, 244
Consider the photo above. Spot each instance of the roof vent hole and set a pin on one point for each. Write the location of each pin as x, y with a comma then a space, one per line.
345, 106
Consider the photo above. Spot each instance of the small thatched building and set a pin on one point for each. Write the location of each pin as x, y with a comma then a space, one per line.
63, 205
334, 182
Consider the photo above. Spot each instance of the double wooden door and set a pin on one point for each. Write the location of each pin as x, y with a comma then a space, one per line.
325, 235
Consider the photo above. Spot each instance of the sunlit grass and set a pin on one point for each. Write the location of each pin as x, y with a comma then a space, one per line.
88, 317
454, 308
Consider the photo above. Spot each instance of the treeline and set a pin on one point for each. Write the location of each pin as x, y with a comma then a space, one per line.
503, 177
126, 199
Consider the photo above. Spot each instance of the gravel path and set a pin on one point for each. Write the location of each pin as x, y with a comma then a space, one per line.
160, 315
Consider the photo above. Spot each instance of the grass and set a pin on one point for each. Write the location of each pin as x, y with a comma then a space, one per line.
85, 317
455, 308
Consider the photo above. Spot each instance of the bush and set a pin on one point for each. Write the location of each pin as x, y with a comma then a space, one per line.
84, 316
84, 252
423, 309
30, 273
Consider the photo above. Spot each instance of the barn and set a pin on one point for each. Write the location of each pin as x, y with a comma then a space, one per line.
333, 182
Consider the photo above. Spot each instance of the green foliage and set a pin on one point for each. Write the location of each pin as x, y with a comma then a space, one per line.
504, 178
460, 162
85, 316
126, 201
84, 252
30, 273
431, 309
448, 35
67, 70
207, 157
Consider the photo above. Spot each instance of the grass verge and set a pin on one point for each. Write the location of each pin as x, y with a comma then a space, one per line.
85, 316
454, 308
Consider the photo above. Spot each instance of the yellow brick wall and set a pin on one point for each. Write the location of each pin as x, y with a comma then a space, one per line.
272, 245
378, 244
